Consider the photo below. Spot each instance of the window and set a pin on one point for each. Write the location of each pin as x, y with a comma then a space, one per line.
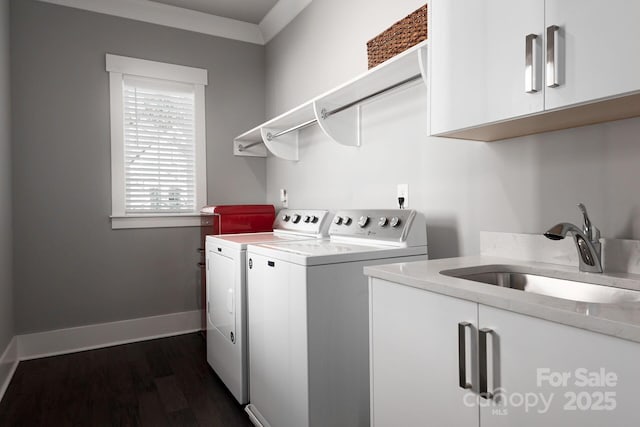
158, 165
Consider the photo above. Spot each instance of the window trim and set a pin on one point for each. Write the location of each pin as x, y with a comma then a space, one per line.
118, 66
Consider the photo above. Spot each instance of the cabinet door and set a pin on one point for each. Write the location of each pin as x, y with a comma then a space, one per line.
597, 47
531, 359
414, 357
478, 51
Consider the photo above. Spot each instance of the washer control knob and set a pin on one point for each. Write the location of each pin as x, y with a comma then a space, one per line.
363, 221
346, 220
285, 217
307, 219
395, 221
383, 221
314, 219
295, 218
337, 220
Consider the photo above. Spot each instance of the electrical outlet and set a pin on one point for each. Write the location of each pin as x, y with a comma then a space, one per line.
284, 198
403, 196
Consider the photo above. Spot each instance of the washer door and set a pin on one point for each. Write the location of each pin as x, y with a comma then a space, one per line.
221, 293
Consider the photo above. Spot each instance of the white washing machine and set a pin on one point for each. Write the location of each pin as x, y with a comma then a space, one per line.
226, 291
309, 321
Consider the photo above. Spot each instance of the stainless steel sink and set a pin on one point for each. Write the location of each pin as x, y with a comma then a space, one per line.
550, 286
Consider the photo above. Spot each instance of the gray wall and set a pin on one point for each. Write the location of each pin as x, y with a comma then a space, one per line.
462, 187
6, 284
70, 268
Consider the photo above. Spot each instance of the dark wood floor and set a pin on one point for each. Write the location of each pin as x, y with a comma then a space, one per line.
164, 382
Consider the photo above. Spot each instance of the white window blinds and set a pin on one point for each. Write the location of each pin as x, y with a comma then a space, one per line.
158, 143
159, 146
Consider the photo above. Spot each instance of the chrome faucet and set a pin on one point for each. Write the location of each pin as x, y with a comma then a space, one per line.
587, 241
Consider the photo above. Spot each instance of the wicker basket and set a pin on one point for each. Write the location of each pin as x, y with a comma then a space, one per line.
399, 37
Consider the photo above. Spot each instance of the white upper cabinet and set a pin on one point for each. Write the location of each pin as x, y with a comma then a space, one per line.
504, 68
597, 47
478, 61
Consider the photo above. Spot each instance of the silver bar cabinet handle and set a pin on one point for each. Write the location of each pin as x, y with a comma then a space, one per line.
462, 354
530, 72
552, 52
482, 361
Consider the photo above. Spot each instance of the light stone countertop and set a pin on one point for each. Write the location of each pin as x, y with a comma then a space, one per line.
619, 320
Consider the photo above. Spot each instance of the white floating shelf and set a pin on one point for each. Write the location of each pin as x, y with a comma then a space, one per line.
337, 112
300, 114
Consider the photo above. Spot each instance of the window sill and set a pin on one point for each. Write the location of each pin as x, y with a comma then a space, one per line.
154, 221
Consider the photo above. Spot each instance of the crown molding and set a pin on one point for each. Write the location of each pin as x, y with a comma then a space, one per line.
280, 16
274, 21
171, 16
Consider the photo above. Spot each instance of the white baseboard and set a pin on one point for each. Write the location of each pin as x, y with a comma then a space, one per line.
8, 365
71, 340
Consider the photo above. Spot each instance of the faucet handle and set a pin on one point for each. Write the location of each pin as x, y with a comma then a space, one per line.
589, 229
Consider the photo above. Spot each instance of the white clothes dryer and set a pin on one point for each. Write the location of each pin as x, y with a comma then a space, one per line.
226, 291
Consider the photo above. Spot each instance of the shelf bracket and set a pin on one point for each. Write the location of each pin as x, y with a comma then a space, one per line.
342, 127
423, 64
285, 145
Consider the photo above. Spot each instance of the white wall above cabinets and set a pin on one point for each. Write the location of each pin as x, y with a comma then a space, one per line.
502, 69
337, 112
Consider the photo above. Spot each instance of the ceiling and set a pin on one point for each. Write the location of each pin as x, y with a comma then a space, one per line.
242, 10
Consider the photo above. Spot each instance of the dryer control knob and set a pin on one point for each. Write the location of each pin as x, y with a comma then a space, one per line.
363, 221
346, 220
307, 219
295, 218
285, 218
337, 220
314, 219
383, 221
395, 221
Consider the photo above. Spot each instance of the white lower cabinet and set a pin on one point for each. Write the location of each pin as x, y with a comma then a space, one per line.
546, 373
425, 347
414, 357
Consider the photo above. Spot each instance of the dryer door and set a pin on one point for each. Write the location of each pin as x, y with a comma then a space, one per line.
223, 277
